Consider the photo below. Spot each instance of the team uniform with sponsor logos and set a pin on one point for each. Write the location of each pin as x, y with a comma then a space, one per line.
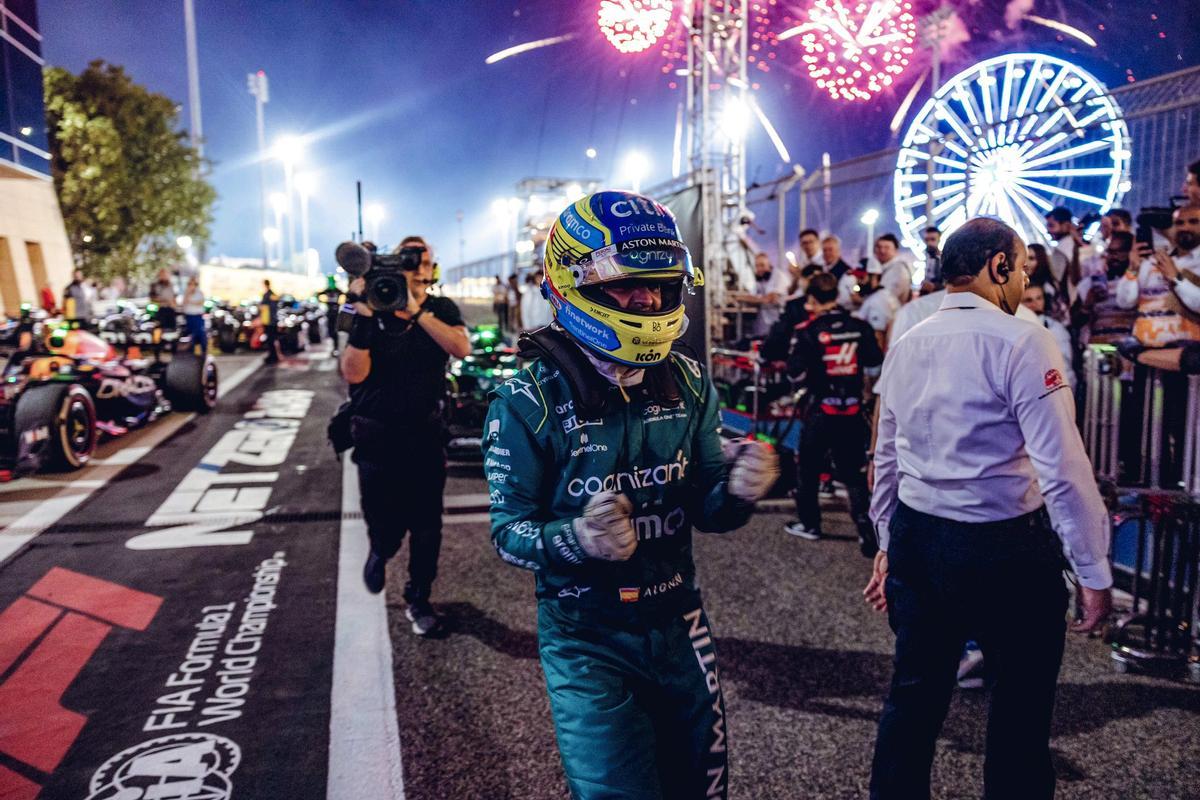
828, 355
625, 645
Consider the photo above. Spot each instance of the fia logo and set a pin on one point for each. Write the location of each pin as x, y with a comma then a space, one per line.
186, 766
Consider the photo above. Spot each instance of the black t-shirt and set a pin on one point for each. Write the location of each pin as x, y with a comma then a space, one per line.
408, 369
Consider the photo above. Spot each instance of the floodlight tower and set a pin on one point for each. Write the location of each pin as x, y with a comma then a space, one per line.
717, 104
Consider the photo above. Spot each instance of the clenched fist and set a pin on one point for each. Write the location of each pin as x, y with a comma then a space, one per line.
605, 530
755, 470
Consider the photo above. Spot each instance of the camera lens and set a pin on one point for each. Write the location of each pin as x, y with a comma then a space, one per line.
387, 292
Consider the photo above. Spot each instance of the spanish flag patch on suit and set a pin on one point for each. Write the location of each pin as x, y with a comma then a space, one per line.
629, 595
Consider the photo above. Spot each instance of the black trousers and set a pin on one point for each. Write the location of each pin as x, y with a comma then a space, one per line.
844, 438
402, 494
1000, 584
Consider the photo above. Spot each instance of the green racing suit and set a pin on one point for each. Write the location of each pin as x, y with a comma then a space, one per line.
625, 646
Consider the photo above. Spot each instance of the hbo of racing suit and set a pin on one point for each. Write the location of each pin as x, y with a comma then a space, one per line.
625, 646
828, 354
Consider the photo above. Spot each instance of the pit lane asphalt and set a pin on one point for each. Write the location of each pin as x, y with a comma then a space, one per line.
804, 663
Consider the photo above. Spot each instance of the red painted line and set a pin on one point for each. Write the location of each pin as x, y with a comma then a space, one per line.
110, 602
34, 727
20, 626
16, 787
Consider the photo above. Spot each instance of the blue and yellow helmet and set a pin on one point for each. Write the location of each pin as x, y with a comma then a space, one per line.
604, 238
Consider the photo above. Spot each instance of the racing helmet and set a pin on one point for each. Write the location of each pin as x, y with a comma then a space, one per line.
618, 237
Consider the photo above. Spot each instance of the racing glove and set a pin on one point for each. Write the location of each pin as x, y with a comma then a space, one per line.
755, 470
605, 530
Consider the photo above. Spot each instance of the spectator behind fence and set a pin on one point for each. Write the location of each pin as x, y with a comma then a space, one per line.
1165, 289
1191, 183
1057, 305
810, 249
835, 265
1103, 320
1066, 255
932, 236
770, 289
892, 269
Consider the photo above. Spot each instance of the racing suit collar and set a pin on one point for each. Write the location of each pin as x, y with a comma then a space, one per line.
614, 373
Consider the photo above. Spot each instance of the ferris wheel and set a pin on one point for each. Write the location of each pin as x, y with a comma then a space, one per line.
1011, 137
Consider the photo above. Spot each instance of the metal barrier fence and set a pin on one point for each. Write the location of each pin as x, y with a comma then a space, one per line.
1169, 424
1160, 630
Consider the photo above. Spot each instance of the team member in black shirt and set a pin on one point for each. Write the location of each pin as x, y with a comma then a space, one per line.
828, 355
395, 364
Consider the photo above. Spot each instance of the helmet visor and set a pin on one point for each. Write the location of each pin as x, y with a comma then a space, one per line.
668, 289
637, 258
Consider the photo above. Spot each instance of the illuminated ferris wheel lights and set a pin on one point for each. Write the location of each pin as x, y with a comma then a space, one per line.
1028, 140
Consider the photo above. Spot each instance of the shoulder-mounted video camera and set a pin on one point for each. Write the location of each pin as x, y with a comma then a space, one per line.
384, 273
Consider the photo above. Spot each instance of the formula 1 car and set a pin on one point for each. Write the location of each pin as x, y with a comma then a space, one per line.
491, 362
61, 389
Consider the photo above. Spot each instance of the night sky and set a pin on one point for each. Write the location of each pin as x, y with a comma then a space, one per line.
396, 93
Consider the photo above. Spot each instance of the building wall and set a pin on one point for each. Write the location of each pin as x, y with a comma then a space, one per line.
34, 251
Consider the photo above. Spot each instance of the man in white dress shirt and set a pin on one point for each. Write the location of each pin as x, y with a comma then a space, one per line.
892, 268
977, 466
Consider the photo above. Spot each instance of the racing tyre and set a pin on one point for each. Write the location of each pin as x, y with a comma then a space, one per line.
190, 383
227, 340
57, 423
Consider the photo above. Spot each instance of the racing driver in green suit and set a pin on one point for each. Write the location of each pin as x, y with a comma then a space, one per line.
600, 457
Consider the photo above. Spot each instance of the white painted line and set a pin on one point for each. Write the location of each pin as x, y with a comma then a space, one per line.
364, 735
95, 475
466, 500
466, 519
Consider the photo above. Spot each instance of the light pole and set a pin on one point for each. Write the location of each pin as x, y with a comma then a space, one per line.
289, 150
279, 204
193, 64
306, 184
462, 242
270, 238
256, 83
869, 218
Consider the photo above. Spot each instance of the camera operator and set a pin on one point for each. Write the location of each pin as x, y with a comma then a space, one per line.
395, 363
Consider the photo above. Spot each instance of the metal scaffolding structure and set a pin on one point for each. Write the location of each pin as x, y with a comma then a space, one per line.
715, 113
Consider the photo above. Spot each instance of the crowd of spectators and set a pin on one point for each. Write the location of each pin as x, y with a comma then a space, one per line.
1132, 283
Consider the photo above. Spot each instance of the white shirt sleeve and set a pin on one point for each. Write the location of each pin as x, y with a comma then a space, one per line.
885, 496
1188, 294
1128, 290
1045, 410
